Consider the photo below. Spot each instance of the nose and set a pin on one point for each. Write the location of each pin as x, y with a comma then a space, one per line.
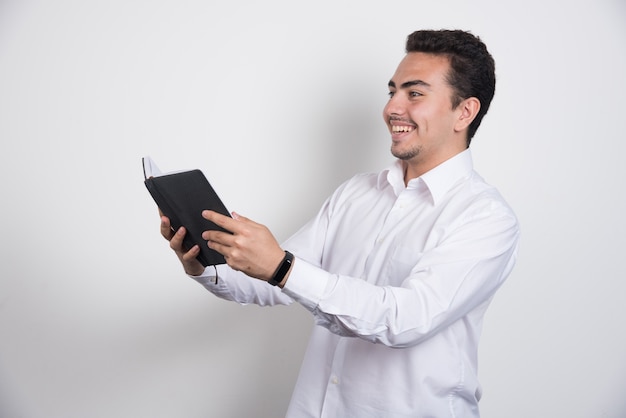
394, 106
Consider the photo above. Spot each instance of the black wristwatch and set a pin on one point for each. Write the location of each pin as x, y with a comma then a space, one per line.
282, 269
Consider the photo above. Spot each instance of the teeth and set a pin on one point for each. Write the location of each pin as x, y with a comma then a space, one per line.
396, 128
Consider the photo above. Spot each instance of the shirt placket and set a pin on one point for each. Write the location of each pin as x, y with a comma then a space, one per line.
382, 243
332, 399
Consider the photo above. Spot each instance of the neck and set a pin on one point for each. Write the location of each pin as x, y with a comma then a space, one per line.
415, 167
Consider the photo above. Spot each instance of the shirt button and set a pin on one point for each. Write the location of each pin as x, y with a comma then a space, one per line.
334, 380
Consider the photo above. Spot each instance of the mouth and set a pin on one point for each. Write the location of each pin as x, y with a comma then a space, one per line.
402, 128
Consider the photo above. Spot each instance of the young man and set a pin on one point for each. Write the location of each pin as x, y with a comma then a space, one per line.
398, 267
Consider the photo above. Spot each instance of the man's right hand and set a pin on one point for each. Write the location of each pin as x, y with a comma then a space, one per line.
187, 257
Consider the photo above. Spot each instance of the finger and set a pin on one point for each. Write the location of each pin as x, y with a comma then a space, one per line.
192, 253
176, 241
226, 222
166, 228
220, 237
240, 217
220, 248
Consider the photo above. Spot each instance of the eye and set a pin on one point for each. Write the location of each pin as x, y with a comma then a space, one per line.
391, 93
415, 94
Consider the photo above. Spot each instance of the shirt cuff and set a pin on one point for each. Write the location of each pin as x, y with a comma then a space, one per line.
307, 284
208, 277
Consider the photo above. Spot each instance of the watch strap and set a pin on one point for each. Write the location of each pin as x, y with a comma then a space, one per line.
282, 269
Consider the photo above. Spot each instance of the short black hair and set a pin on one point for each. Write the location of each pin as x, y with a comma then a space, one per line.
472, 68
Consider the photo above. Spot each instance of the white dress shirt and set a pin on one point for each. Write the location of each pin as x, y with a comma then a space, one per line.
398, 279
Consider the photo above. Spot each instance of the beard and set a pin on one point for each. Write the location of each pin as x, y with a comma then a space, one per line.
406, 154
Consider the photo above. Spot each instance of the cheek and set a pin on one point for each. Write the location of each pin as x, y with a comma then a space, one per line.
418, 115
428, 117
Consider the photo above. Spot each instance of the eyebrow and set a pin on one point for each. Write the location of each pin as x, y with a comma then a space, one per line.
408, 84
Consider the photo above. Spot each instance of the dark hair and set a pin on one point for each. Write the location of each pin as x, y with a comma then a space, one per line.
472, 68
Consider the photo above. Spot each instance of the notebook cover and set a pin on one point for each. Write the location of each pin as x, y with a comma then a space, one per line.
182, 197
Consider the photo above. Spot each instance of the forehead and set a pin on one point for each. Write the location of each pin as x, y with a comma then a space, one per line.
429, 68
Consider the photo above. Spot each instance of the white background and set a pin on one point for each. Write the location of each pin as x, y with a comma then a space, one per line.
278, 102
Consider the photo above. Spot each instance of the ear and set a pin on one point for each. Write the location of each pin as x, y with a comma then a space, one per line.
468, 109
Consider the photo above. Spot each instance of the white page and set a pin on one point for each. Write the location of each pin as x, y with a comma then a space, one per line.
150, 169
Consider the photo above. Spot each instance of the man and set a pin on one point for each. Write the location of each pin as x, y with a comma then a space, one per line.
398, 267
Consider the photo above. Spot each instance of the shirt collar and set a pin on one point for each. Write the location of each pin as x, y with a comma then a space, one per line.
438, 180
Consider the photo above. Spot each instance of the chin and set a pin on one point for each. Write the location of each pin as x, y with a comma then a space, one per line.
406, 154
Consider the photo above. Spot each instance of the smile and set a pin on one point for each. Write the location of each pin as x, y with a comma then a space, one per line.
397, 128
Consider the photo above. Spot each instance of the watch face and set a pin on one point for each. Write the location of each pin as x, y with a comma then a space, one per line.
282, 270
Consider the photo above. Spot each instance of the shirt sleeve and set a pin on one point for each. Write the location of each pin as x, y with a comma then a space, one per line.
458, 275
235, 286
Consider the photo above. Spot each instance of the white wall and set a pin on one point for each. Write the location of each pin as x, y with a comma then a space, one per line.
278, 102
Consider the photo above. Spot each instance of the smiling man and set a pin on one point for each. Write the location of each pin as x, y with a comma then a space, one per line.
398, 267
426, 129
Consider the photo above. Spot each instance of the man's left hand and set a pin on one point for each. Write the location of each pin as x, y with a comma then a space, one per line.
251, 248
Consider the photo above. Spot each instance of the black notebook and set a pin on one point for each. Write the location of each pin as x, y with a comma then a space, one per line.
182, 196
